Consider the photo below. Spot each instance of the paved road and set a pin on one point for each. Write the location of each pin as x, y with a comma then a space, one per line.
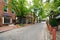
33, 32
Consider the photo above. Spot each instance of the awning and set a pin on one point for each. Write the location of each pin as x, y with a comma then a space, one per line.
6, 14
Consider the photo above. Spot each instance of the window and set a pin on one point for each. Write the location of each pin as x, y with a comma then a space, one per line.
6, 20
5, 1
5, 8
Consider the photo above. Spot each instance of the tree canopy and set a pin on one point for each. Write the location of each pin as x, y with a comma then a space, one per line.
38, 7
19, 7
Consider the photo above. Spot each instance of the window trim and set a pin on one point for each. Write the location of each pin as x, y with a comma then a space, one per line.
6, 23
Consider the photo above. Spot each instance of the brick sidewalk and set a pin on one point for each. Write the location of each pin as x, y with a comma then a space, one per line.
6, 28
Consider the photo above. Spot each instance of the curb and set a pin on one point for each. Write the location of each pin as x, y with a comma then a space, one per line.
7, 30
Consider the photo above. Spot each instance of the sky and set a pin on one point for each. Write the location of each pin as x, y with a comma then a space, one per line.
43, 0
30, 1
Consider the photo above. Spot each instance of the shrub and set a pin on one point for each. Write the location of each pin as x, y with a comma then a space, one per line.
53, 22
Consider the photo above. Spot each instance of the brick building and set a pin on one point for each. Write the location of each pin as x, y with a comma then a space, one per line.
7, 15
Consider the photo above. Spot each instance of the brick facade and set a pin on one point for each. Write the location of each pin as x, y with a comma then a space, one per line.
2, 4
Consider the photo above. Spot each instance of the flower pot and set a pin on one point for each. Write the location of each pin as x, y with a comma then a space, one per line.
54, 34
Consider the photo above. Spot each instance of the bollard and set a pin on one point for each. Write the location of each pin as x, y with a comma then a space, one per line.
50, 29
48, 26
54, 34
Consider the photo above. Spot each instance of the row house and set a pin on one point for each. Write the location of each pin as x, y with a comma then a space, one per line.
7, 16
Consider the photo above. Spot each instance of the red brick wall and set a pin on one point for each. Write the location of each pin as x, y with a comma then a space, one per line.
2, 11
1, 6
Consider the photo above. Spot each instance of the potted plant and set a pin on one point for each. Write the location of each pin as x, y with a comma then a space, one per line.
54, 24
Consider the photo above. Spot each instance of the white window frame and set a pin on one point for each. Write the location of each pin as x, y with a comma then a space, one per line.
2, 20
6, 23
10, 20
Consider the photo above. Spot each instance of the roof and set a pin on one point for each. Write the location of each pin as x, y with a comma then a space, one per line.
58, 17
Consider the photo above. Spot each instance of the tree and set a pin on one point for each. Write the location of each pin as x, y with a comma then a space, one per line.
51, 5
19, 6
37, 9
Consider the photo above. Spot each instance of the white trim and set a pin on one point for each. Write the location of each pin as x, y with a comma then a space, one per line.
10, 20
2, 20
6, 23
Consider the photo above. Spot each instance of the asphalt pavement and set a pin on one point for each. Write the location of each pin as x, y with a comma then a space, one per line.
33, 32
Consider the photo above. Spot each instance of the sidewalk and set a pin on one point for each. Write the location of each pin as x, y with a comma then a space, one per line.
58, 34
10, 27
6, 28
49, 36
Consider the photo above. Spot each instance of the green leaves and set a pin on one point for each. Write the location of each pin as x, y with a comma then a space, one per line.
51, 5
39, 8
53, 22
19, 7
